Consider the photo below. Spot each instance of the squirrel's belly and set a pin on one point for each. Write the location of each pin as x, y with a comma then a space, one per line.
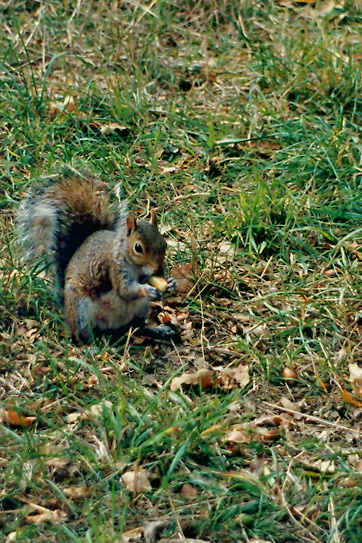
112, 312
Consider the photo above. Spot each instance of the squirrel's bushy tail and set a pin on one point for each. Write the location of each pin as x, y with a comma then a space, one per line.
54, 220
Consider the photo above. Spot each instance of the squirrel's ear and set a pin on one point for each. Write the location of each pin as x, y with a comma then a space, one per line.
153, 220
130, 222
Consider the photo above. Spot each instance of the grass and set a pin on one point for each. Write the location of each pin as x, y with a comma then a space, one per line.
242, 123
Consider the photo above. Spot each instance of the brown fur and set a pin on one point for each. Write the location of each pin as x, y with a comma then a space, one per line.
102, 261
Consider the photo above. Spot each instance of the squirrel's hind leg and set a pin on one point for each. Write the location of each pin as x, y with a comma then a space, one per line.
85, 321
80, 313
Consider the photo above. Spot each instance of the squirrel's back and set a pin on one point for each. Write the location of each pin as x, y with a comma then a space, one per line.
54, 220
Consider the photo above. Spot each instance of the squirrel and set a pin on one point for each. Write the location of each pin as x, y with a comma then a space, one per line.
103, 259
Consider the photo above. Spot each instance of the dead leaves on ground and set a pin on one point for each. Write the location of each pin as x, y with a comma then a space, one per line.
137, 481
12, 417
355, 372
38, 514
264, 428
184, 277
68, 108
225, 379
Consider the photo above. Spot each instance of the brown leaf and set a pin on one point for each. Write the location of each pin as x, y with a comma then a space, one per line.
74, 417
231, 378
57, 462
77, 492
164, 317
355, 372
184, 276
132, 535
152, 529
292, 406
137, 481
100, 409
189, 490
225, 379
347, 482
12, 536
62, 108
109, 128
285, 421
350, 399
238, 435
45, 515
270, 434
13, 418
203, 378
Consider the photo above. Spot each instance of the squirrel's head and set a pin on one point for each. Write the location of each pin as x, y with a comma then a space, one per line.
146, 246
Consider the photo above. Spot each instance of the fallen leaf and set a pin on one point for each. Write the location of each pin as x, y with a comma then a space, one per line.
285, 420
74, 417
292, 406
348, 482
259, 330
189, 490
13, 536
203, 378
60, 108
227, 248
165, 317
153, 528
13, 418
225, 379
132, 535
270, 434
109, 128
26, 475
32, 333
327, 466
355, 372
350, 399
169, 315
184, 277
77, 492
57, 462
45, 515
238, 435
221, 253
231, 378
100, 409
101, 449
137, 481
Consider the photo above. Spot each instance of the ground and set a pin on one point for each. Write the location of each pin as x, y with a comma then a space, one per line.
241, 123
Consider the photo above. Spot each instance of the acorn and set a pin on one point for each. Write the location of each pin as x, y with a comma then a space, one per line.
159, 282
289, 373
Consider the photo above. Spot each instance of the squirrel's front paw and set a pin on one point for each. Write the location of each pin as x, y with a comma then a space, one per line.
171, 285
153, 293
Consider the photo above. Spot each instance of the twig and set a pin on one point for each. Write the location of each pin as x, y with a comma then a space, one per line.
313, 418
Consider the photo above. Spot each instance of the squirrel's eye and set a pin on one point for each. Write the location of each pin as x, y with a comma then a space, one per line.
138, 248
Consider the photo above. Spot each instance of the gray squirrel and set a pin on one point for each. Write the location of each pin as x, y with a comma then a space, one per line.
103, 260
